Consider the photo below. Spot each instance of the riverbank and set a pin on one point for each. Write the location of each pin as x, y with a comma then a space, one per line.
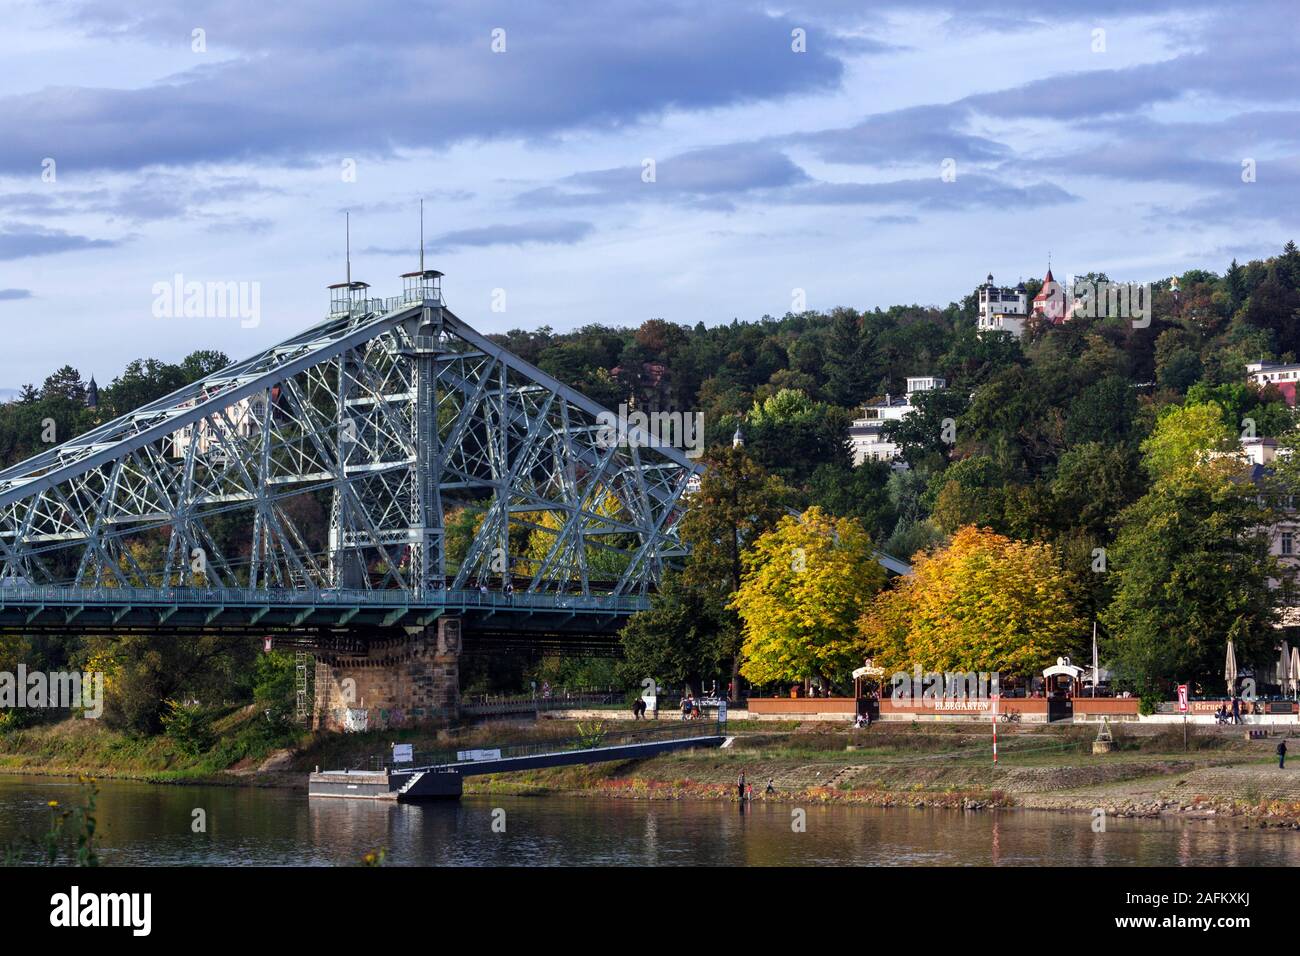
888, 765
241, 754
925, 766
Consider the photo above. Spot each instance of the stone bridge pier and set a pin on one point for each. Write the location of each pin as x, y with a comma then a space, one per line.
394, 682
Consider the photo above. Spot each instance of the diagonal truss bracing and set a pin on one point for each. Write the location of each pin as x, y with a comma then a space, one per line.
390, 449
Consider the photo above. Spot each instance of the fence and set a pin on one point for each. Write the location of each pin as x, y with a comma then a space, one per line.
486, 706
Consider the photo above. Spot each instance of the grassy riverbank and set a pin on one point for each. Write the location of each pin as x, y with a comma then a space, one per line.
917, 765
241, 752
949, 765
77, 747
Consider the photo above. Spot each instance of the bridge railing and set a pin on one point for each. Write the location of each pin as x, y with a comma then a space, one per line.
597, 735
391, 597
35, 594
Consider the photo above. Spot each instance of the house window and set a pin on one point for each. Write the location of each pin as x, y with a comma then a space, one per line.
1286, 542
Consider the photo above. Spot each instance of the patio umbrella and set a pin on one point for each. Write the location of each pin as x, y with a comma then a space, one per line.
1230, 670
1284, 665
1295, 670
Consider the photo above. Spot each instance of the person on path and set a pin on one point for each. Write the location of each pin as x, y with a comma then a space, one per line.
1281, 755
740, 786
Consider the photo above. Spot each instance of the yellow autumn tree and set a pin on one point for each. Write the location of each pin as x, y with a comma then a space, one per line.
984, 603
804, 586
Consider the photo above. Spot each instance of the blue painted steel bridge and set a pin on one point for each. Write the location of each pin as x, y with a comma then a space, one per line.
383, 468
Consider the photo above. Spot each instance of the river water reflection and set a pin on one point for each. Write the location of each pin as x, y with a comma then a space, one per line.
145, 824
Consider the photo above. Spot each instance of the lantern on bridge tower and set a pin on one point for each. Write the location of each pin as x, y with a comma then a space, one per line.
424, 285
348, 296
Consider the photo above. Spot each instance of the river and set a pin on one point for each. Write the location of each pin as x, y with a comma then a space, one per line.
147, 824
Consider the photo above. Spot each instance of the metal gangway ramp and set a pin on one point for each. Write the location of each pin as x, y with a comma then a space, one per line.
440, 775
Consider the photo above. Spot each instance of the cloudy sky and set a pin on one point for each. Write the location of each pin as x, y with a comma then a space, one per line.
865, 153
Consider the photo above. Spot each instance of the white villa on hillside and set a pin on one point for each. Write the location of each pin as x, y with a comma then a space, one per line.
1261, 453
1003, 309
218, 431
866, 434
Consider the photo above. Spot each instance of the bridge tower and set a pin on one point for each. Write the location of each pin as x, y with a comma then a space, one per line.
415, 676
347, 565
428, 556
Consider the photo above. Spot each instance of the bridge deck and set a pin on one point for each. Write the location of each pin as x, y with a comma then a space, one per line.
263, 610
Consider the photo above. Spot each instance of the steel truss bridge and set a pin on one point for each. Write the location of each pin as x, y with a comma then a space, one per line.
383, 468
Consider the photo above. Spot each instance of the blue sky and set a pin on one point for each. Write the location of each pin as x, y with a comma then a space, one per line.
775, 170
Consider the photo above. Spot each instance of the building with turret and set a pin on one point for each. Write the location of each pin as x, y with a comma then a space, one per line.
1049, 304
1008, 310
1003, 309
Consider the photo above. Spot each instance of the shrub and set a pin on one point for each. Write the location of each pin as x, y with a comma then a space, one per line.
189, 727
274, 692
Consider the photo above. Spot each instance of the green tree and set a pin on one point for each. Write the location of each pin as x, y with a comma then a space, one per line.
1184, 438
1191, 562
675, 642
737, 502
926, 436
971, 491
790, 434
1103, 412
275, 691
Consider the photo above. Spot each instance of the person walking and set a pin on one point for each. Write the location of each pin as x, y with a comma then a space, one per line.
1281, 755
1236, 709
740, 787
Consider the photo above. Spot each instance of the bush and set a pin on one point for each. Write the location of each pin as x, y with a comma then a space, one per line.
189, 727
274, 692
